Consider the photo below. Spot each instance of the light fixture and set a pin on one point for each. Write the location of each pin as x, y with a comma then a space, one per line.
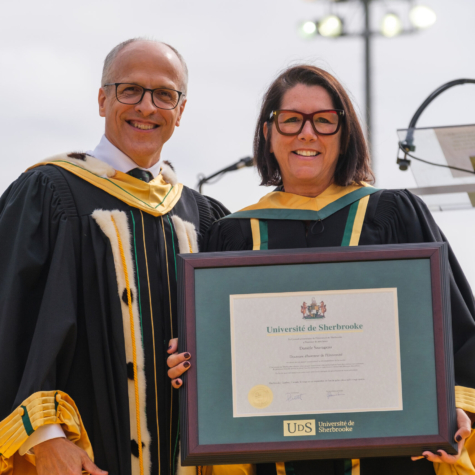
308, 29
422, 16
391, 25
344, 26
330, 26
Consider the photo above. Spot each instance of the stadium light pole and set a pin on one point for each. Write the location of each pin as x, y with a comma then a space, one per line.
333, 26
368, 76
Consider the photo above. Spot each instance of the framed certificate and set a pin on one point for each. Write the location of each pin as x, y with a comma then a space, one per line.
316, 353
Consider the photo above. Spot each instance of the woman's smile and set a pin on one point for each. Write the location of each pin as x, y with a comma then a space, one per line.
306, 153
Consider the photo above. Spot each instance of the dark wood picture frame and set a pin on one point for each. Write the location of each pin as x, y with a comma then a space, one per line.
194, 453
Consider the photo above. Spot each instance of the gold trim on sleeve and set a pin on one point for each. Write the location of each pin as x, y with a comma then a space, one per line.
465, 398
41, 408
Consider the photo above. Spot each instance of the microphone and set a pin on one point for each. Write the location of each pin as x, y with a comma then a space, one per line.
242, 163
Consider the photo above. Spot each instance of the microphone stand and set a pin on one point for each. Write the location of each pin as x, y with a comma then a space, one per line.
244, 162
407, 145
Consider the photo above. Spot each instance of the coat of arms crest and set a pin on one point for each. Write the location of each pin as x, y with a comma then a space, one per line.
313, 310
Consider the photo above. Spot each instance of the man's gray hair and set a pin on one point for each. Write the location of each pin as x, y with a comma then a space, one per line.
108, 62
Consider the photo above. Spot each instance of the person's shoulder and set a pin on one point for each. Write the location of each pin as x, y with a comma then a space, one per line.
398, 212
390, 200
229, 234
45, 183
209, 209
210, 205
398, 193
56, 175
31, 180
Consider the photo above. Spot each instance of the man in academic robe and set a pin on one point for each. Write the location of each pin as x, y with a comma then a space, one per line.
88, 285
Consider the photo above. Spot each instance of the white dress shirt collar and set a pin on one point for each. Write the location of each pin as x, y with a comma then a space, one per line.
111, 155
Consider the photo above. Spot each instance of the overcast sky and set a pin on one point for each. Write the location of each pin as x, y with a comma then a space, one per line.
51, 55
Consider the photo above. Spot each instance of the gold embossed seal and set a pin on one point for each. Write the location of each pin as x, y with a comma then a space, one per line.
260, 396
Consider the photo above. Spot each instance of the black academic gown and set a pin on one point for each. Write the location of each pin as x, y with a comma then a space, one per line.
60, 312
392, 217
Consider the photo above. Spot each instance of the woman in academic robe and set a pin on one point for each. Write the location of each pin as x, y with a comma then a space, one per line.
310, 145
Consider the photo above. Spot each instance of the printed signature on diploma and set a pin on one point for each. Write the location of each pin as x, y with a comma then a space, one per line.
335, 393
295, 396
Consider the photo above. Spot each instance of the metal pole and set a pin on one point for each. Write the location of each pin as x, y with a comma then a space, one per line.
368, 86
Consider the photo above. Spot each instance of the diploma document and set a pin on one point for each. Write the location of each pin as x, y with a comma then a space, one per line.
315, 352
328, 353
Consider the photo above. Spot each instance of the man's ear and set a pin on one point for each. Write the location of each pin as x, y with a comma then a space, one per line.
180, 113
102, 98
267, 135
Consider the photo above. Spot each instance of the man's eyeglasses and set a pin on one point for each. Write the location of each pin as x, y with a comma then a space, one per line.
162, 97
326, 122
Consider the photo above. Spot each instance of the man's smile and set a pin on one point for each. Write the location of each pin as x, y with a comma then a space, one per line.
142, 125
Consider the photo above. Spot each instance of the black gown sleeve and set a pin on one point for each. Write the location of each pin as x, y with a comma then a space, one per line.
210, 210
401, 217
218, 210
229, 235
38, 290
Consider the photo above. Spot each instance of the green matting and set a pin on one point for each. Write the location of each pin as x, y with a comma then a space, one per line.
213, 359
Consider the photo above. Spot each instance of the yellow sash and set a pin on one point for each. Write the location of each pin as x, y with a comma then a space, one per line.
283, 200
351, 235
156, 197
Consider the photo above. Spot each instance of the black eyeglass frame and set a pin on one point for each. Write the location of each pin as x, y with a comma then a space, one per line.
306, 117
117, 84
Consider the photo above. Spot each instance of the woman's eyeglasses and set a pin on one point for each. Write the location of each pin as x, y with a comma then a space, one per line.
326, 122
